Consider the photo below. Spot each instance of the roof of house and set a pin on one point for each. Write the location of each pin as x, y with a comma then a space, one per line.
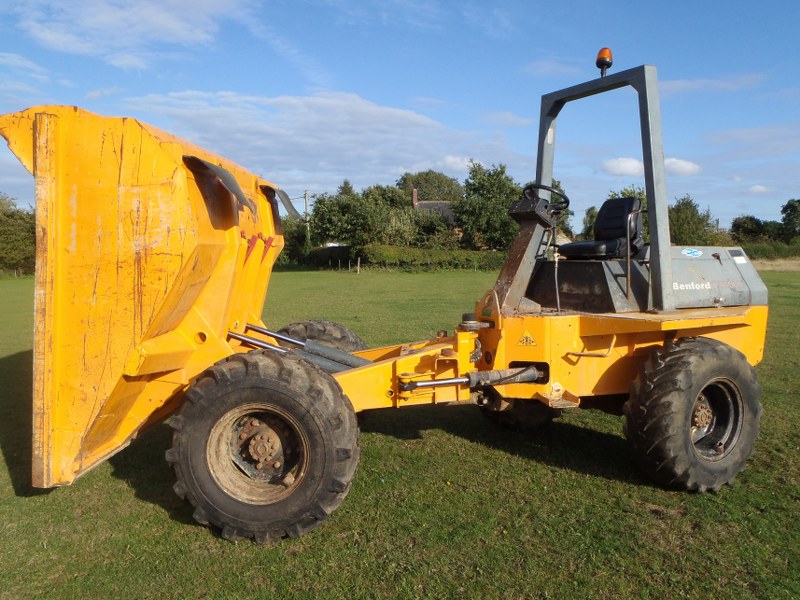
440, 207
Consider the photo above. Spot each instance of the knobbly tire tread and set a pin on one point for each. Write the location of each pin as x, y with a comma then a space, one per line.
658, 413
318, 397
334, 334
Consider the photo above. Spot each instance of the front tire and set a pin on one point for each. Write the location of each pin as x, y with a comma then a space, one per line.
693, 414
265, 446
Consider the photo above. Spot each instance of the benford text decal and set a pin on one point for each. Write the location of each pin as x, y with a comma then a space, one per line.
692, 285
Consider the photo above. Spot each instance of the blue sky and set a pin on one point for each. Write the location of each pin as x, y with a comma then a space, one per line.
307, 93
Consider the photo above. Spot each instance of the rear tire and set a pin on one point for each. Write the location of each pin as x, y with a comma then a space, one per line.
693, 414
329, 333
265, 446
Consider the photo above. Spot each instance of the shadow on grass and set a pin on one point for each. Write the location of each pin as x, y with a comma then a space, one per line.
560, 444
142, 464
16, 424
143, 467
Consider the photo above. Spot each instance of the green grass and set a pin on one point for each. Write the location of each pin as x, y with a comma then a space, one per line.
442, 506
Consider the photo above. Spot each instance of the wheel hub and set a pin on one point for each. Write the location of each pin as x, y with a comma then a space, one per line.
716, 419
703, 414
261, 447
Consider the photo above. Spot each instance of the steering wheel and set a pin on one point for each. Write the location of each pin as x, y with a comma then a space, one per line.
558, 206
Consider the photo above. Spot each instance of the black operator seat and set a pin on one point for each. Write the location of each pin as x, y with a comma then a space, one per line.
610, 232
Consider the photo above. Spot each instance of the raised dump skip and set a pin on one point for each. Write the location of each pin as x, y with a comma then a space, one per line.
149, 250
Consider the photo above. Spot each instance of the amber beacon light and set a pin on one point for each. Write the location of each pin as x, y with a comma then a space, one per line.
604, 60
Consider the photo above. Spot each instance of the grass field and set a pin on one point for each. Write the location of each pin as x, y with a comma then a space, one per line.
442, 506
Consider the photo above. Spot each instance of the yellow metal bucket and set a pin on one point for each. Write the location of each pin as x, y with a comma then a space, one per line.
149, 250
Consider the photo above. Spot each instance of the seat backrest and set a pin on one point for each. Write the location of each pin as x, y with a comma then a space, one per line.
612, 221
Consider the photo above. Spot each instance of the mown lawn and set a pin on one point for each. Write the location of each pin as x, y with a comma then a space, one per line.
442, 506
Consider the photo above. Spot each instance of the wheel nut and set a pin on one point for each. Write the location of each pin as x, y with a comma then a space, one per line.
242, 436
276, 464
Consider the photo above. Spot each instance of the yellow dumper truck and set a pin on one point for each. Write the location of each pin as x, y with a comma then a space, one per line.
153, 261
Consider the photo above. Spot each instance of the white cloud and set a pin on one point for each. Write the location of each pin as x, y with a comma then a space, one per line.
20, 75
678, 166
314, 142
757, 143
454, 164
415, 14
633, 167
20, 80
15, 61
758, 189
491, 20
623, 166
548, 68
125, 33
292, 53
103, 92
509, 119
734, 83
11, 87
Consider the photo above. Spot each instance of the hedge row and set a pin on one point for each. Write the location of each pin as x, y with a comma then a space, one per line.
381, 255
403, 257
772, 249
421, 258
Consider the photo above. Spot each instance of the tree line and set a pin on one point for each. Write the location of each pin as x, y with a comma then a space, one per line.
449, 216
477, 218
17, 238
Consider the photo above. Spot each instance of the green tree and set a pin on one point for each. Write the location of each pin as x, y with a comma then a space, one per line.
431, 185
483, 212
400, 227
690, 226
17, 237
387, 195
774, 230
295, 238
747, 228
587, 231
345, 219
434, 231
563, 222
346, 189
790, 213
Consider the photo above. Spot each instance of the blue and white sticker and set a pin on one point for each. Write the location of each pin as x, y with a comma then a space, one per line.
692, 252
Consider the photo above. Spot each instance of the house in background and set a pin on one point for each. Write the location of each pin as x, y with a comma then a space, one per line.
439, 207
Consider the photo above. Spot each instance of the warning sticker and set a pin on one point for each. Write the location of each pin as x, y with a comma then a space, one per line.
526, 339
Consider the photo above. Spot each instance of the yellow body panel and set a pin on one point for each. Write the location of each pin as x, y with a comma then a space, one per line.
600, 354
139, 277
378, 385
584, 354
